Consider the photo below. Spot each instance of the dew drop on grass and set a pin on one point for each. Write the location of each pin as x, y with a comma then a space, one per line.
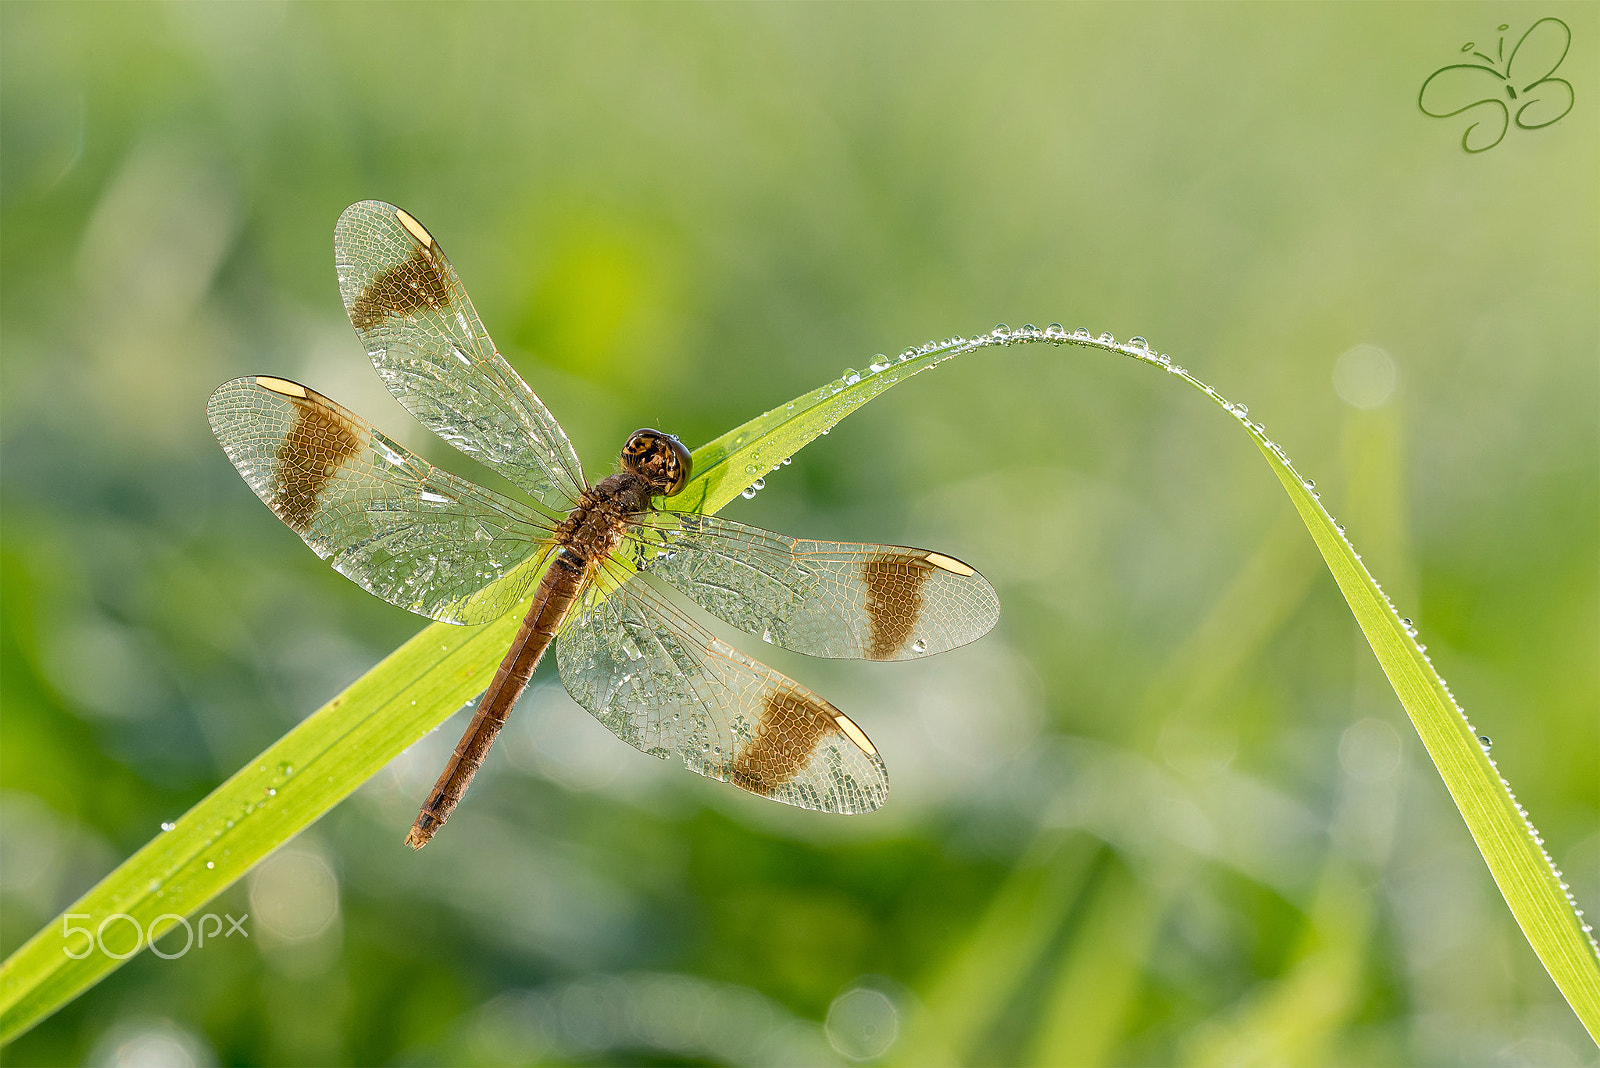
168, 826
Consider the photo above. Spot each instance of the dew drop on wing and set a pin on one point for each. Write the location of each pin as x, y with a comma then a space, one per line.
919, 646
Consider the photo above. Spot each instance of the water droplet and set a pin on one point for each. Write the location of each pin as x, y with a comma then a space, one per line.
271, 792
749, 469
1082, 332
850, 376
211, 864
879, 362
1001, 330
155, 884
919, 646
1029, 328
907, 354
1485, 741
786, 461
1055, 330
1137, 342
168, 826
1309, 483
748, 492
1108, 338
1240, 409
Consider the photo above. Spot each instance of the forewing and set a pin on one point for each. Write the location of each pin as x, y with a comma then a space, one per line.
662, 683
416, 536
433, 353
822, 598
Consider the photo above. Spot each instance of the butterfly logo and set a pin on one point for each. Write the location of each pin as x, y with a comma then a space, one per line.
1494, 87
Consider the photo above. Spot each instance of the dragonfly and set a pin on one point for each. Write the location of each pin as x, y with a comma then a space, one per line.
607, 564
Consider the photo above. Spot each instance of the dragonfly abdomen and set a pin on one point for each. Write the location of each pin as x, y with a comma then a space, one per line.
558, 589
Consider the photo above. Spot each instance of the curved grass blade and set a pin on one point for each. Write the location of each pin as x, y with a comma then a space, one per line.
426, 680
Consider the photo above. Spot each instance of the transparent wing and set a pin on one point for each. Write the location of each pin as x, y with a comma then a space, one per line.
416, 536
662, 683
822, 598
433, 353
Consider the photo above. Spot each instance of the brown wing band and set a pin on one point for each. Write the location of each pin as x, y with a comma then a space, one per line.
309, 456
894, 601
404, 288
791, 726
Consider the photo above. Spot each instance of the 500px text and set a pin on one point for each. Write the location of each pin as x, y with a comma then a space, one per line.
209, 926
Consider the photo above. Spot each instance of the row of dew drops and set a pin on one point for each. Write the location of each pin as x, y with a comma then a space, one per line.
929, 353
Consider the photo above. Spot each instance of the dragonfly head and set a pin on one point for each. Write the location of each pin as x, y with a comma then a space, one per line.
660, 459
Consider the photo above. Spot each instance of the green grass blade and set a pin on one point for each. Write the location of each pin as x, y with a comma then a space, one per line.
1510, 845
426, 680
1528, 879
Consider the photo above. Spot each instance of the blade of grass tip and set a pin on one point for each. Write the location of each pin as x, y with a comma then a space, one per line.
1511, 846
1528, 879
351, 738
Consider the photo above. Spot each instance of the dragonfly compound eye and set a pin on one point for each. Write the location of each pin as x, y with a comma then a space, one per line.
659, 459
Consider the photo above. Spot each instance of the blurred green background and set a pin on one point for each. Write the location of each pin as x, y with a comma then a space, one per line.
1168, 813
